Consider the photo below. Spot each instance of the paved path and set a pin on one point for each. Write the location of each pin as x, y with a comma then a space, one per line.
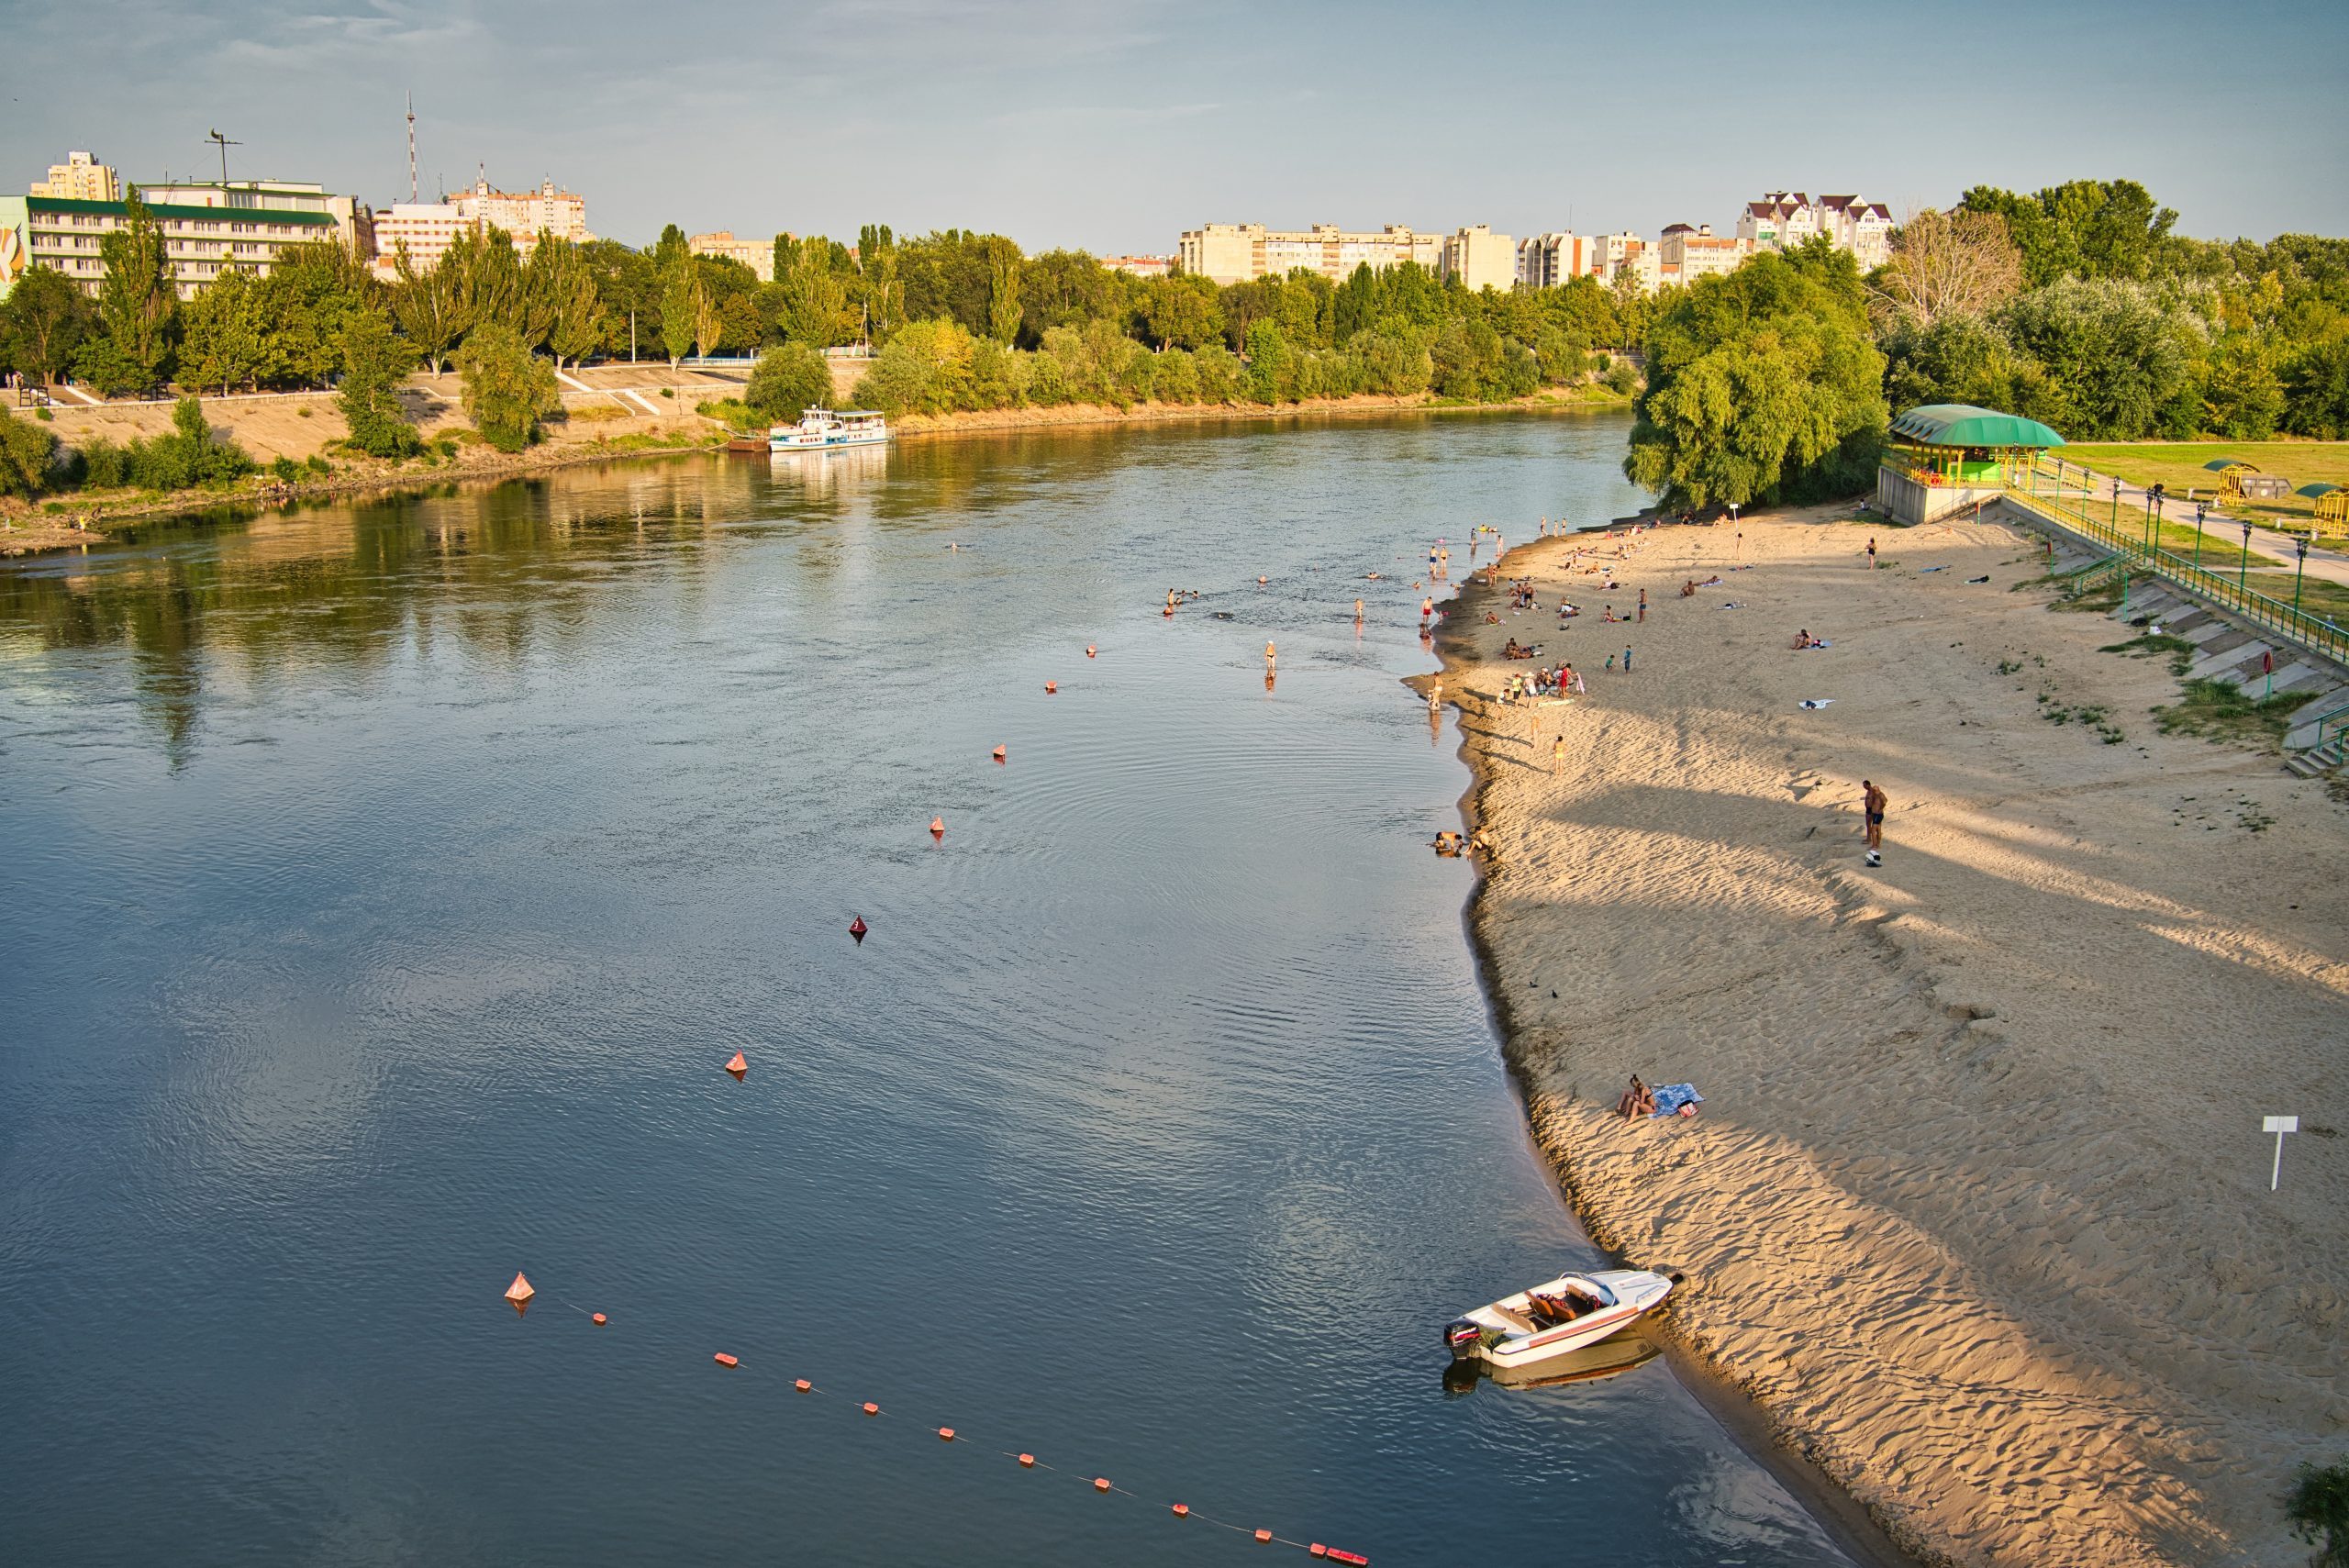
2223, 543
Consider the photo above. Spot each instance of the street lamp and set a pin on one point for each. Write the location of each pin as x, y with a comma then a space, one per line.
2243, 573
2153, 510
2301, 545
2199, 509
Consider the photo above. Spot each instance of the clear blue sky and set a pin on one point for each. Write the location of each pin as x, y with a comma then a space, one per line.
1113, 125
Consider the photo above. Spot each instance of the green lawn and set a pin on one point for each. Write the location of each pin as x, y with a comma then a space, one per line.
2178, 465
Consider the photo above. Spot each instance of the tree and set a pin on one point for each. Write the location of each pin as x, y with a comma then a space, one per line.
488, 275
309, 293
2084, 229
1182, 313
28, 455
814, 297
138, 307
2316, 389
430, 310
224, 343
373, 364
709, 323
579, 319
2116, 357
681, 300
1959, 262
507, 389
789, 380
43, 322
1003, 297
1763, 385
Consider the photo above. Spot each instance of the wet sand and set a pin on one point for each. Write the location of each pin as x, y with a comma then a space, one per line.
1977, 1208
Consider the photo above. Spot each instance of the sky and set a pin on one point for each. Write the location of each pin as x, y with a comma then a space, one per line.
1113, 125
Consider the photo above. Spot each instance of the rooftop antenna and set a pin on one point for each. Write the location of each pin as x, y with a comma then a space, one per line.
224, 143
411, 148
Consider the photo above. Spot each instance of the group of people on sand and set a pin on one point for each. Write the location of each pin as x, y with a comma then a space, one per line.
1451, 846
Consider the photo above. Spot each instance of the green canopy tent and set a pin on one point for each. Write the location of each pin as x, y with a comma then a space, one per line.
1962, 444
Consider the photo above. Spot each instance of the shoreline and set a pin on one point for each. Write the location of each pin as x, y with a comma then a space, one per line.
1905, 1448
33, 531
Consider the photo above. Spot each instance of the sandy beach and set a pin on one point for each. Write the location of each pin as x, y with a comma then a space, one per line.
1977, 1208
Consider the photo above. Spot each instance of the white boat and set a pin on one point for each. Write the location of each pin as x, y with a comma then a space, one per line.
828, 429
1556, 1318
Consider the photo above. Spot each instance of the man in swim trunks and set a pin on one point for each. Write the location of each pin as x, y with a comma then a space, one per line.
1872, 804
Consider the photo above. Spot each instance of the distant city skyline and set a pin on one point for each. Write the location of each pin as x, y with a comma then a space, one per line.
1113, 125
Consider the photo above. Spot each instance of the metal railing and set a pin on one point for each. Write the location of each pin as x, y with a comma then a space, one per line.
2046, 488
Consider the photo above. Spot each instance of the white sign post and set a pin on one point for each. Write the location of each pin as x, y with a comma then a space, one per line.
2279, 1126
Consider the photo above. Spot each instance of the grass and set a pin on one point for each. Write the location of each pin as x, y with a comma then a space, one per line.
2144, 646
2178, 466
2219, 712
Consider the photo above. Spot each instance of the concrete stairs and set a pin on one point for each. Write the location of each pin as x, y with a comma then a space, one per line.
2318, 762
2233, 656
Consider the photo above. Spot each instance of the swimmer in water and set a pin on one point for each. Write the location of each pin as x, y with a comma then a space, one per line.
1268, 658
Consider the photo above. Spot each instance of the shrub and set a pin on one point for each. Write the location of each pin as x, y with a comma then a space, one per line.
28, 457
285, 469
2317, 1506
507, 389
787, 381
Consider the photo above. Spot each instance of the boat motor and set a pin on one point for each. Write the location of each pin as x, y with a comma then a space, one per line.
1462, 1336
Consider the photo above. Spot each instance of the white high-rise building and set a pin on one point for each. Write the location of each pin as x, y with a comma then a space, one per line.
1480, 258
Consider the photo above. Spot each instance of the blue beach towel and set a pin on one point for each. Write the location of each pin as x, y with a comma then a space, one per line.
1670, 1097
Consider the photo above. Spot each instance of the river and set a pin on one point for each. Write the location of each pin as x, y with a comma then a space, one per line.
389, 880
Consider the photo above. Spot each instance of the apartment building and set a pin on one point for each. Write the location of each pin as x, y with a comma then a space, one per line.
756, 254
81, 178
1480, 258
1686, 254
1548, 260
1237, 252
207, 226
1782, 219
1139, 266
428, 229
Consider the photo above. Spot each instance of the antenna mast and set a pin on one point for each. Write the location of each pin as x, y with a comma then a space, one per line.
224, 144
411, 148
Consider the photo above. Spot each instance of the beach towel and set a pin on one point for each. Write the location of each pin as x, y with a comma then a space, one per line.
1985, 578
1943, 567
1820, 642
1670, 1097
1816, 702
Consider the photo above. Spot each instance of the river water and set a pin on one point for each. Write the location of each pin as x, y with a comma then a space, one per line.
388, 881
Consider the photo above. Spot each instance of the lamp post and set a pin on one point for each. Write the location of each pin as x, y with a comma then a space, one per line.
2198, 511
2153, 509
2243, 573
2301, 545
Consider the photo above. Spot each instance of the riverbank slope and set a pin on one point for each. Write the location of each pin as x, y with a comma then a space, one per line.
1977, 1211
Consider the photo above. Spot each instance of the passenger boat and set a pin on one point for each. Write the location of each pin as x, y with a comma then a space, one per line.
1556, 1318
827, 430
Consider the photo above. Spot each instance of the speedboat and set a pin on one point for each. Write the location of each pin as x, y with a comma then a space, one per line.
1556, 1318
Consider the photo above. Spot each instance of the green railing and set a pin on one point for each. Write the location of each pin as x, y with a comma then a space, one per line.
2059, 492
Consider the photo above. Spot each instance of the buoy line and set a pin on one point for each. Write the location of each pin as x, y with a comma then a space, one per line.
521, 1292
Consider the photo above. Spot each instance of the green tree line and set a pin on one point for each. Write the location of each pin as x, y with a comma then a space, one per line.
2076, 305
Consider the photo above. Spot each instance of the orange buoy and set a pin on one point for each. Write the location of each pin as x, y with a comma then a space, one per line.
737, 1067
1266, 1535
1356, 1559
519, 1294
1051, 686
722, 1359
937, 827
802, 1384
1001, 752
856, 929
598, 1319
946, 1434
871, 1409
1182, 1510
1028, 1461
1088, 650
1317, 1550
1101, 1484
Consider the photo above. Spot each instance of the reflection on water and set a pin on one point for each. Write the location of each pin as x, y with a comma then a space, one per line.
391, 879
